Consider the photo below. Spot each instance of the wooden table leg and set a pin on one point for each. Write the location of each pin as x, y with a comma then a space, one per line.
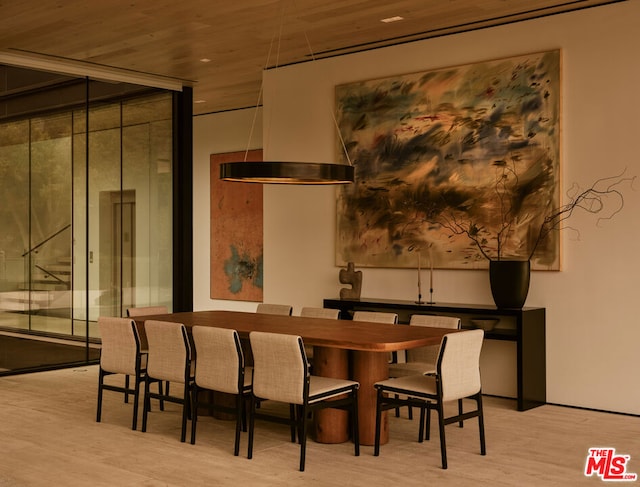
369, 368
331, 425
221, 399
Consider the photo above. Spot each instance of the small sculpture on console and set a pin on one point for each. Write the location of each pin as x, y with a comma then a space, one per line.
353, 277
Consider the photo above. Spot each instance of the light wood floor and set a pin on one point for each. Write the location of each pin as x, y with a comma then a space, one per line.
48, 436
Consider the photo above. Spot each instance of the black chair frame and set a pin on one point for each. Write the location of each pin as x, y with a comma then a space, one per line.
426, 402
241, 400
299, 413
185, 400
126, 390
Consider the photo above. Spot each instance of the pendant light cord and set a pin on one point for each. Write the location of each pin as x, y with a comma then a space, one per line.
261, 91
333, 115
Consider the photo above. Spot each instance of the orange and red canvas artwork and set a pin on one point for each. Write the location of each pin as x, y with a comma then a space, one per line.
236, 233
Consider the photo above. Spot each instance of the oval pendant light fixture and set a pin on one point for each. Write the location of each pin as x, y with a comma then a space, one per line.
273, 172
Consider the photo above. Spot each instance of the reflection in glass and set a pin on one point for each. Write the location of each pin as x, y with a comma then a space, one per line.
87, 231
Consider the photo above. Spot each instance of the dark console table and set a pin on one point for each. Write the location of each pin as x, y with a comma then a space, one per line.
524, 326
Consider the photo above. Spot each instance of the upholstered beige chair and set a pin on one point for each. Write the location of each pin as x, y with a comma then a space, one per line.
169, 360
378, 317
147, 311
325, 313
422, 360
274, 309
220, 368
328, 313
120, 354
281, 373
457, 377
375, 316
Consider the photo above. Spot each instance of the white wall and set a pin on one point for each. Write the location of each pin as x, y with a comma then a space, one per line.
592, 326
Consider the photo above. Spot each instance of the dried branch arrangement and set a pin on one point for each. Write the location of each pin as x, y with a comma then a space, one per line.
604, 198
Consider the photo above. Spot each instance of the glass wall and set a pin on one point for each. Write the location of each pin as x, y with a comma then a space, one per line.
87, 229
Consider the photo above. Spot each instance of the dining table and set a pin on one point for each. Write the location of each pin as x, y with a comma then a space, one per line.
346, 349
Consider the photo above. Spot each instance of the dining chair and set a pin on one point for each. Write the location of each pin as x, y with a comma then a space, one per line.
120, 354
311, 312
281, 373
169, 360
328, 313
220, 368
375, 316
148, 311
422, 360
457, 377
274, 309
378, 317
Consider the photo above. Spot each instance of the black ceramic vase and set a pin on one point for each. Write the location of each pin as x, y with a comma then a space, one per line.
509, 281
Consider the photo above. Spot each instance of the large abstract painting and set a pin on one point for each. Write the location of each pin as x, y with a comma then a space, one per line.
236, 233
459, 165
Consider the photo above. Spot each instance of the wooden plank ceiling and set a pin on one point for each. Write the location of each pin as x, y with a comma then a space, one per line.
220, 47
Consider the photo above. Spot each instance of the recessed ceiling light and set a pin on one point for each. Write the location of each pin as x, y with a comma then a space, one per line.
388, 20
205, 60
